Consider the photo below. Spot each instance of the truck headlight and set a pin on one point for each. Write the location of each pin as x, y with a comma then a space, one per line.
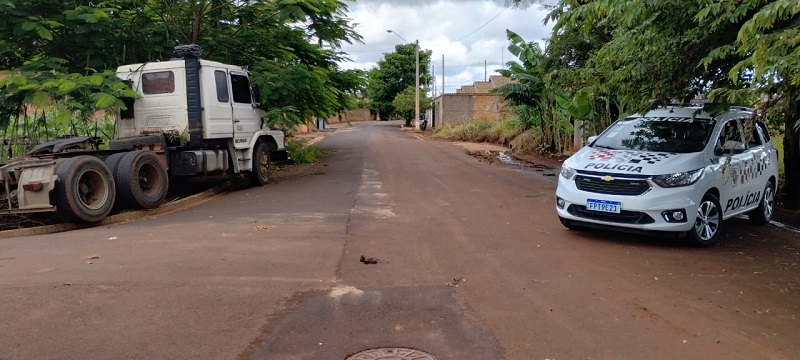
685, 178
567, 172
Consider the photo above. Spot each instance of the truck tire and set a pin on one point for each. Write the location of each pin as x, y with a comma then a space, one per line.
142, 180
113, 161
259, 175
85, 189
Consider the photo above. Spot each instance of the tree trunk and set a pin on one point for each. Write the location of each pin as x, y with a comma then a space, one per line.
791, 149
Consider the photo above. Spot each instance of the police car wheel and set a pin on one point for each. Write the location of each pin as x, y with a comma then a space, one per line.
708, 223
763, 213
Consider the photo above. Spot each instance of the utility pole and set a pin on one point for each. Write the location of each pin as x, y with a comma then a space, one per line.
416, 87
443, 89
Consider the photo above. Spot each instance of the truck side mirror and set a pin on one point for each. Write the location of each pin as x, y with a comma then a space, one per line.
256, 95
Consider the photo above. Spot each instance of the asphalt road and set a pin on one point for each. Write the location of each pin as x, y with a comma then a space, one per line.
471, 263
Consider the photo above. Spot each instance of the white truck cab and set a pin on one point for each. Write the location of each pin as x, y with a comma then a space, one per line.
677, 170
193, 117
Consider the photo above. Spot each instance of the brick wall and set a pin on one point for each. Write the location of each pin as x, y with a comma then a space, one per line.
457, 108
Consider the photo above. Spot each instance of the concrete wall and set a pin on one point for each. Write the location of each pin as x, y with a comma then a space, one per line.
349, 116
353, 115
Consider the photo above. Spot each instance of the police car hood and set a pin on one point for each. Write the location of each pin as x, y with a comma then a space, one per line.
633, 162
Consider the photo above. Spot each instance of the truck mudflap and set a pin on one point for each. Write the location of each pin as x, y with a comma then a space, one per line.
279, 156
26, 186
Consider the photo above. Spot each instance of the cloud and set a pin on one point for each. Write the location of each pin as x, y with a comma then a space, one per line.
468, 33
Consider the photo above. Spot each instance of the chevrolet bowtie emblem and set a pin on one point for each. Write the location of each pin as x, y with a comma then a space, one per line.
607, 178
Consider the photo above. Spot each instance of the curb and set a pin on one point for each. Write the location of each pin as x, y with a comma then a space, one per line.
786, 216
127, 216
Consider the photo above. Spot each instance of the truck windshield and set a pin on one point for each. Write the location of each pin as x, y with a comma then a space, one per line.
673, 135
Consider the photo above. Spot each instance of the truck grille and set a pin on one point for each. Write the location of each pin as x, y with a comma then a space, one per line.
631, 187
624, 217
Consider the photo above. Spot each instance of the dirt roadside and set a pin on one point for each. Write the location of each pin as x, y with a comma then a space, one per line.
489, 152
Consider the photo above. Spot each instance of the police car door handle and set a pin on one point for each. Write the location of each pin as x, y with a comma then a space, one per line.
237, 120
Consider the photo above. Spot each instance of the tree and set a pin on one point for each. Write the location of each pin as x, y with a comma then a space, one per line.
291, 46
743, 52
533, 91
395, 73
405, 105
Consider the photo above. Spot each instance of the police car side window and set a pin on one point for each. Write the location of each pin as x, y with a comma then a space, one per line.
762, 128
753, 137
730, 139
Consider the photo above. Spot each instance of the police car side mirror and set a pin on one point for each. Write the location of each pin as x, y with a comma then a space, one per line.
591, 139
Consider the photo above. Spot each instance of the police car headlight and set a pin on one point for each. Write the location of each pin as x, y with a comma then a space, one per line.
678, 179
567, 172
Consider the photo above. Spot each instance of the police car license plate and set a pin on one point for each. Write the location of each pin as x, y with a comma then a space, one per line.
603, 206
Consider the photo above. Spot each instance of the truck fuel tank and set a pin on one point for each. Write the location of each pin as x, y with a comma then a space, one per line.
199, 162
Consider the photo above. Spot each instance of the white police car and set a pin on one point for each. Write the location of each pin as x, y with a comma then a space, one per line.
678, 170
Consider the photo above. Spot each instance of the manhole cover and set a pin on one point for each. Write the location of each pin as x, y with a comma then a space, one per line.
391, 354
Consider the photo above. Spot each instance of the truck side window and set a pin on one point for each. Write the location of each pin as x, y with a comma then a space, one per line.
241, 89
162, 82
222, 86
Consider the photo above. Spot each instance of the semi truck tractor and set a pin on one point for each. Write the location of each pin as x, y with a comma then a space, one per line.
193, 117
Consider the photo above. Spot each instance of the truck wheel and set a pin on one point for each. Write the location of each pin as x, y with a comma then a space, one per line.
763, 213
708, 224
141, 179
259, 175
84, 190
113, 161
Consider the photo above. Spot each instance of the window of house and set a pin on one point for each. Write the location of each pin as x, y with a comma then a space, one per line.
241, 89
162, 82
222, 86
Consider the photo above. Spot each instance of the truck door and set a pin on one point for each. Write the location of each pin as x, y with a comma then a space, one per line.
246, 118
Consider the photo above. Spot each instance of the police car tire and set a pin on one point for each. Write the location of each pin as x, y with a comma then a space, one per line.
712, 208
763, 213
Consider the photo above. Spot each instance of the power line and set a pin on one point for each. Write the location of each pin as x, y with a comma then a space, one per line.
481, 27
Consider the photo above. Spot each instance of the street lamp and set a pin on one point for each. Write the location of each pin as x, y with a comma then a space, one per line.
416, 79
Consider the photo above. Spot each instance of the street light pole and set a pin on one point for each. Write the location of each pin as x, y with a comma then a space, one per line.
416, 78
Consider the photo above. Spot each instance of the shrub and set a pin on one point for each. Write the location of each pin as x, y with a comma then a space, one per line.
528, 142
300, 153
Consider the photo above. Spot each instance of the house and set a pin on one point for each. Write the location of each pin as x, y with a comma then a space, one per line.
471, 102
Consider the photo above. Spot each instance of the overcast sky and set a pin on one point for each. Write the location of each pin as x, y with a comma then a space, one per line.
466, 32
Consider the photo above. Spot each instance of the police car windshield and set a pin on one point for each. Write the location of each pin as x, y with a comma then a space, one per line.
674, 135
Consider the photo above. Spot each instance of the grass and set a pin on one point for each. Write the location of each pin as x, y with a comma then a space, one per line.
302, 154
777, 141
501, 132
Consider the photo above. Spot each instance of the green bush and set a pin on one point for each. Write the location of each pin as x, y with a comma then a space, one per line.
300, 153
